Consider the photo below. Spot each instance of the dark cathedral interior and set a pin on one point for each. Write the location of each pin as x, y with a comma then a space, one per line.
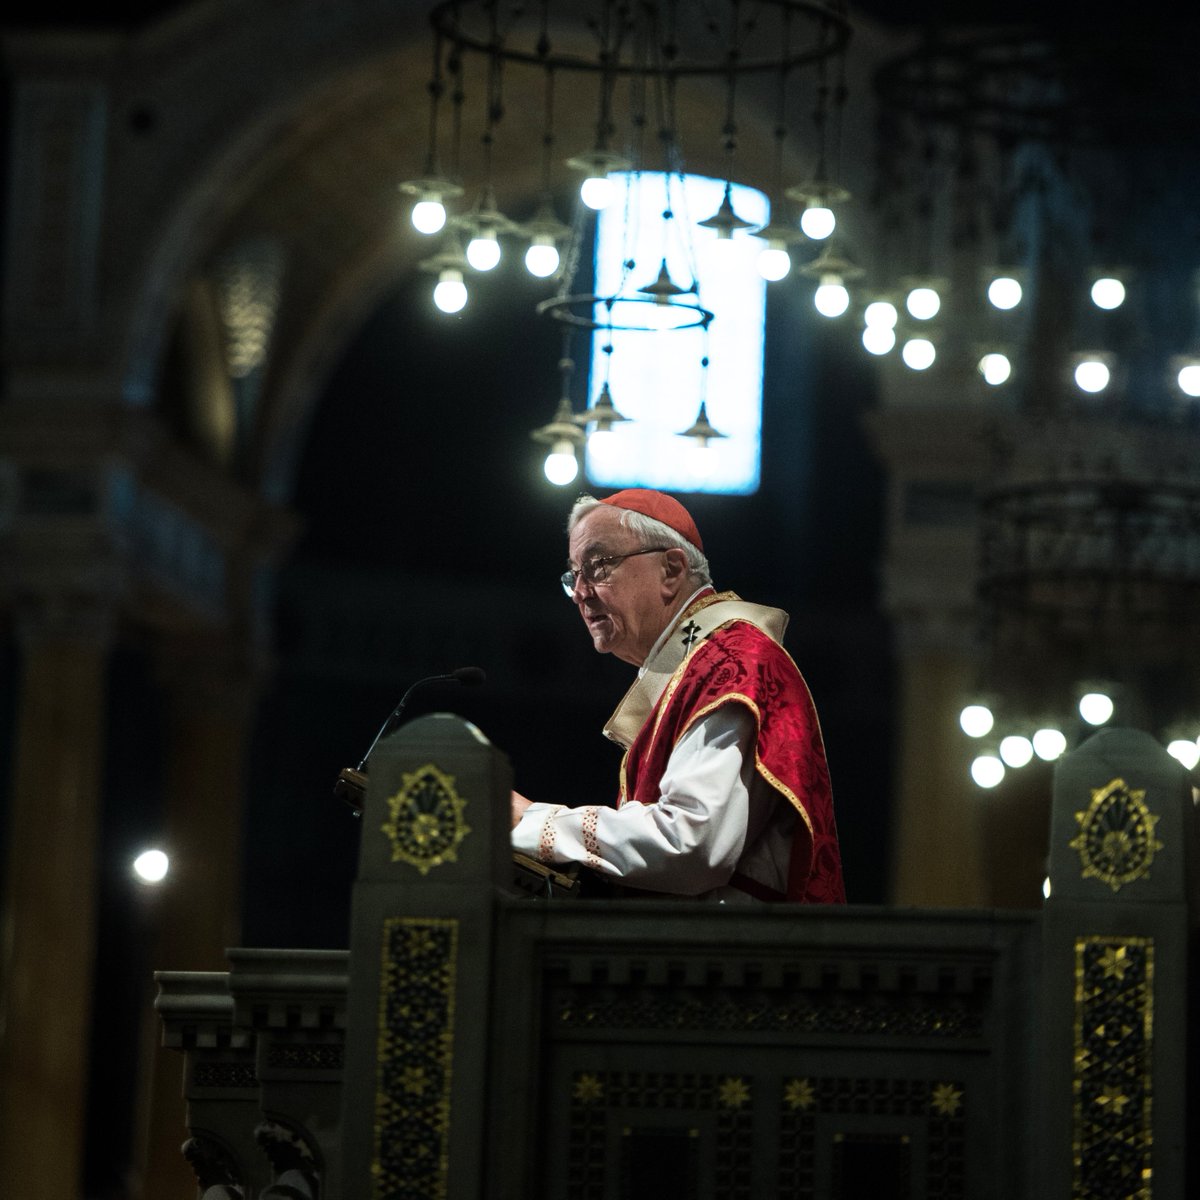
220, 573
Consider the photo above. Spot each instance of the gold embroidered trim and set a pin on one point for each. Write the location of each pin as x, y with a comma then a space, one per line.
771, 780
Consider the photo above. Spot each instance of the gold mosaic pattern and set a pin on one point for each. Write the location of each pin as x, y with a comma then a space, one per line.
425, 824
660, 1109
812, 1108
678, 1112
1114, 1025
415, 1056
1116, 841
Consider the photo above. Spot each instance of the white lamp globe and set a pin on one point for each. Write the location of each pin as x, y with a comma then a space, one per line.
541, 259
818, 222
1108, 293
701, 459
881, 313
1015, 750
428, 216
1095, 707
923, 303
831, 299
483, 251
1004, 293
597, 191
878, 339
603, 446
987, 771
561, 465
995, 369
774, 263
1092, 375
1185, 750
450, 294
151, 866
976, 720
1189, 379
918, 353
1049, 743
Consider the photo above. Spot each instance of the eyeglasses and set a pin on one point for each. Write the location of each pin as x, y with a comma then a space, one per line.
597, 570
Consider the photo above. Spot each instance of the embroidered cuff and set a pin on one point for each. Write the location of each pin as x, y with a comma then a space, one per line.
545, 850
591, 843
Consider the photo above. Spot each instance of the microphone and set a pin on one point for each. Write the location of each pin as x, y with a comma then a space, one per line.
351, 784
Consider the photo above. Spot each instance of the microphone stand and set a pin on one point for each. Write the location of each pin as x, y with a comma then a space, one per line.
351, 784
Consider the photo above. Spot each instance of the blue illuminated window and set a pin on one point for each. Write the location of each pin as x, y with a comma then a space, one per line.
656, 377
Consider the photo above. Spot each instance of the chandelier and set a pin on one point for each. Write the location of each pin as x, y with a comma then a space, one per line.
606, 92
1033, 217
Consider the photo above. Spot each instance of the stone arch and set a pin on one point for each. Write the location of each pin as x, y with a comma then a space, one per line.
308, 146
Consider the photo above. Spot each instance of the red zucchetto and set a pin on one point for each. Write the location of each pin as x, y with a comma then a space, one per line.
662, 508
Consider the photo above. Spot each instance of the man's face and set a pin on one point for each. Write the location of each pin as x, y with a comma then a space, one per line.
626, 613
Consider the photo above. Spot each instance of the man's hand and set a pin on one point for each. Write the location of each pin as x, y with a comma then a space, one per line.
519, 805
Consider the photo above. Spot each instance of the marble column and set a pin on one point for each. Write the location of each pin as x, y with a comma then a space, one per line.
49, 914
212, 693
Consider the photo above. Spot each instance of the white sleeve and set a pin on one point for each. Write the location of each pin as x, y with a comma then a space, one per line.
688, 841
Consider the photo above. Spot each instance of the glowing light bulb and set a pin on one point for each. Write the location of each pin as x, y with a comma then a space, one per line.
774, 263
987, 771
483, 250
878, 339
541, 259
1108, 293
597, 192
1189, 379
450, 294
881, 313
701, 459
818, 222
995, 369
1092, 375
1004, 292
602, 445
1049, 743
151, 866
831, 298
429, 215
561, 465
923, 303
1095, 707
1185, 750
1015, 750
976, 720
918, 353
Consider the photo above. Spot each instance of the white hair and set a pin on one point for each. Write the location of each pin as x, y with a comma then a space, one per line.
649, 532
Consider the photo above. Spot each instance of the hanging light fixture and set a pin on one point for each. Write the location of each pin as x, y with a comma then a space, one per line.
702, 431
725, 222
652, 48
563, 434
449, 265
432, 189
818, 196
832, 270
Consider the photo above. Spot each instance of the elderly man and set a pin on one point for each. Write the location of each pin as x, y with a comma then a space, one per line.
724, 787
